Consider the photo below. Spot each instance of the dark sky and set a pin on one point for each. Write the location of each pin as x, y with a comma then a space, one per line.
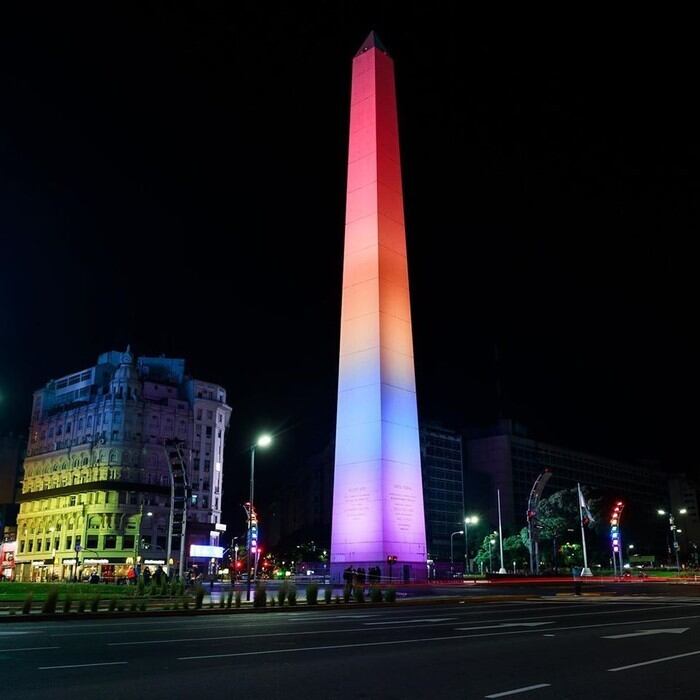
174, 179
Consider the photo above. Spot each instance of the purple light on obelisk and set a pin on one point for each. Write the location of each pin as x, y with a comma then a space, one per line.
377, 491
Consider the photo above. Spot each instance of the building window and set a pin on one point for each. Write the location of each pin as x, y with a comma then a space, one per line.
92, 541
69, 542
110, 542
128, 542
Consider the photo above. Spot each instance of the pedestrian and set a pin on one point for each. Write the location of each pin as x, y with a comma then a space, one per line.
131, 575
158, 575
147, 576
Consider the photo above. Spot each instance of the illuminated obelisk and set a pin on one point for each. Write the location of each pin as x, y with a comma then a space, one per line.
377, 491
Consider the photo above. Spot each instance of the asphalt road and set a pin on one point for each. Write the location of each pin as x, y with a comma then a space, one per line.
558, 647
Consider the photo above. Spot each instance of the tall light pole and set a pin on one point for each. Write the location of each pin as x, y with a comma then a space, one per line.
452, 558
262, 441
672, 525
469, 520
502, 570
491, 543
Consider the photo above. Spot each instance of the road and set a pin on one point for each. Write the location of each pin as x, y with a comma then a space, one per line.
545, 648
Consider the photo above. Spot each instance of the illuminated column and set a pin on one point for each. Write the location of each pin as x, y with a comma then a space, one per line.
378, 493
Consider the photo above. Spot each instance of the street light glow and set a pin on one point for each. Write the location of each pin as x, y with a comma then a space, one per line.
683, 511
264, 440
471, 519
661, 511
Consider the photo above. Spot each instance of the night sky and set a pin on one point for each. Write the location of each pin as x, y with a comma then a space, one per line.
175, 179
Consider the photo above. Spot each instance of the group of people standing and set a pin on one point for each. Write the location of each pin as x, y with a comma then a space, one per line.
359, 577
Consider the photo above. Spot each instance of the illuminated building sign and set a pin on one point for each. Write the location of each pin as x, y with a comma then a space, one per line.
200, 550
377, 492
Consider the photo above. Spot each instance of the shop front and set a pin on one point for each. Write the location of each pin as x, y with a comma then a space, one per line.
7, 560
109, 570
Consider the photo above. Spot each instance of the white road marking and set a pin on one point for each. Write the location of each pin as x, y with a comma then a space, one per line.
654, 661
646, 633
420, 639
505, 624
104, 663
2, 651
12, 634
515, 691
413, 621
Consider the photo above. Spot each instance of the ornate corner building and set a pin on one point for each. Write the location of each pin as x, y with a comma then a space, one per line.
96, 474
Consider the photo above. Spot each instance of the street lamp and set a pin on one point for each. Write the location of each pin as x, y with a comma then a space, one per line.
452, 558
469, 520
491, 543
674, 531
263, 441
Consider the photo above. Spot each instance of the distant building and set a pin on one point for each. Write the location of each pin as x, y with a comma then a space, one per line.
302, 505
507, 457
443, 492
96, 474
684, 496
11, 455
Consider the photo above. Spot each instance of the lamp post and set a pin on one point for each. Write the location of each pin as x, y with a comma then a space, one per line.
672, 525
262, 441
469, 520
452, 558
491, 543
502, 570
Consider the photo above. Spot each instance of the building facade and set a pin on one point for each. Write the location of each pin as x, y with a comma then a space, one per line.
11, 455
96, 484
300, 510
443, 492
506, 457
683, 493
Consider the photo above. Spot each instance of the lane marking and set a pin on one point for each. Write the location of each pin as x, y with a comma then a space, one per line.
419, 639
646, 633
515, 691
505, 624
12, 634
413, 621
654, 661
350, 630
104, 663
2, 651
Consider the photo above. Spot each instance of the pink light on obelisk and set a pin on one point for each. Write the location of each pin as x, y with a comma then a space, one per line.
377, 491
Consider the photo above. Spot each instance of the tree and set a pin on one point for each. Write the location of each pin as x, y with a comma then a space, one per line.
557, 520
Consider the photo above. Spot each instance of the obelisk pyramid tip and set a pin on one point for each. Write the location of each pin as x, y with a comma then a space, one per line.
371, 42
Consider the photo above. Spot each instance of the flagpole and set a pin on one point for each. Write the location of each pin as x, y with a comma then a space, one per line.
585, 571
500, 532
